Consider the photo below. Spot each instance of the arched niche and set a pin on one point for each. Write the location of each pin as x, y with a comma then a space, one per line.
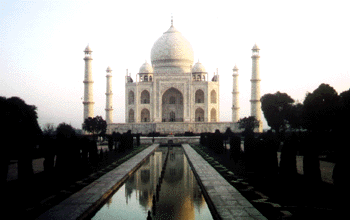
172, 104
199, 96
199, 115
145, 115
131, 98
145, 97
213, 96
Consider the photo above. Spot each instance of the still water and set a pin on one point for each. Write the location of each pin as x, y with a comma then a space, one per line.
179, 196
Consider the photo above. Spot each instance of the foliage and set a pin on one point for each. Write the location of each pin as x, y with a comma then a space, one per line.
19, 118
48, 129
65, 130
321, 108
95, 125
276, 108
248, 123
344, 106
294, 116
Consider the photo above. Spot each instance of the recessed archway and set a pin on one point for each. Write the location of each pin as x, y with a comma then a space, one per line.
131, 98
145, 97
199, 115
172, 106
145, 115
199, 96
213, 96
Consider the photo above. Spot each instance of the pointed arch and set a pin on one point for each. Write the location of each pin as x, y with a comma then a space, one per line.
145, 97
213, 96
131, 98
145, 115
199, 96
199, 115
172, 101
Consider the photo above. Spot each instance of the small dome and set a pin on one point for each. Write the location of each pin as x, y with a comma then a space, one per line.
146, 68
87, 49
198, 68
109, 69
255, 47
235, 68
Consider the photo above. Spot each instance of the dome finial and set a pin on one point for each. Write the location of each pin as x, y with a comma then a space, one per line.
172, 20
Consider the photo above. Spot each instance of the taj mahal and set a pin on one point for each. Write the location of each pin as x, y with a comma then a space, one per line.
172, 94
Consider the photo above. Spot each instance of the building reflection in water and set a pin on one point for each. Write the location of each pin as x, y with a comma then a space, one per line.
180, 196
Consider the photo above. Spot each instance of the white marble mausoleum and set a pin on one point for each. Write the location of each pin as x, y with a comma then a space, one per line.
172, 94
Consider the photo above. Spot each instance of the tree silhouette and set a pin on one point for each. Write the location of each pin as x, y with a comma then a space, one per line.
21, 127
64, 130
276, 108
248, 124
294, 116
95, 125
320, 109
48, 129
344, 106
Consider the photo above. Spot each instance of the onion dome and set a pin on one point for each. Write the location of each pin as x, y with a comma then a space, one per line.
255, 47
87, 49
172, 50
108, 69
198, 68
146, 68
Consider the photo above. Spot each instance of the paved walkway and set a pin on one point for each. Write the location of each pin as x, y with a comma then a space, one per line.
82, 203
224, 198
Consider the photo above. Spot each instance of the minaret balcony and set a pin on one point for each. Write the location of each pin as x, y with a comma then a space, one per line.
88, 81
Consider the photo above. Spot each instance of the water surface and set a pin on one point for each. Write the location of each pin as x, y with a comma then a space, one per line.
179, 197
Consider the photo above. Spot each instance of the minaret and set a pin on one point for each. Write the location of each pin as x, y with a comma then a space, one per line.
255, 108
235, 98
109, 97
88, 91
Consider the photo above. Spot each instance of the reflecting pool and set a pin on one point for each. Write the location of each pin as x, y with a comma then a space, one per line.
163, 185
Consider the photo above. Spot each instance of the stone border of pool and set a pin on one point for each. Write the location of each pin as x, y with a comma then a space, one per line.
85, 202
224, 201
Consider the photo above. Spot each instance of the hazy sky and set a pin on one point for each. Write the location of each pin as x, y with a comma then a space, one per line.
303, 44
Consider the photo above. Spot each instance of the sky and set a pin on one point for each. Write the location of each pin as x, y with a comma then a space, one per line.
303, 44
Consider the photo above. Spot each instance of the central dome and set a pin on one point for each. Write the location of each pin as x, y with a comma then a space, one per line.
172, 53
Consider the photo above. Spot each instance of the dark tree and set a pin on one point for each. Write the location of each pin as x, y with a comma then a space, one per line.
320, 109
276, 108
294, 116
64, 130
249, 124
344, 106
22, 129
95, 125
48, 130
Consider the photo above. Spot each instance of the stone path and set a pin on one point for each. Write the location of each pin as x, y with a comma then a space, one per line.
226, 201
82, 203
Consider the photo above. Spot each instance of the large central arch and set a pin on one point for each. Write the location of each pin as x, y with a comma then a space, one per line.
172, 106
